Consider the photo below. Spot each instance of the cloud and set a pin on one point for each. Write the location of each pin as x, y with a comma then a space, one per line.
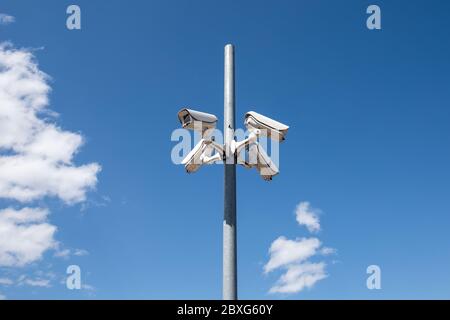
299, 277
6, 282
45, 283
80, 252
37, 157
25, 235
284, 252
327, 251
66, 253
308, 216
293, 256
2, 297
6, 19
36, 282
36, 160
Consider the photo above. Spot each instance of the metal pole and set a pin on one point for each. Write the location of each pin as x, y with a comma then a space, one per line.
229, 217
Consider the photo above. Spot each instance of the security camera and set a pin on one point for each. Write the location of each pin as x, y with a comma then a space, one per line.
273, 129
205, 152
266, 167
197, 120
193, 161
258, 158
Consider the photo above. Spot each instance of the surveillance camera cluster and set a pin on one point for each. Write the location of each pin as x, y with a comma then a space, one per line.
208, 151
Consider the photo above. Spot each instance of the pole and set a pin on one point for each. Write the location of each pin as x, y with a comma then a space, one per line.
229, 216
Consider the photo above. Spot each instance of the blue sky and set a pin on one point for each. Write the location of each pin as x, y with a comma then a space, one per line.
368, 112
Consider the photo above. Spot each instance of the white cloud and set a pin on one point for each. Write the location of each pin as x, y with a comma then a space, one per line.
293, 256
6, 19
24, 236
284, 252
66, 253
38, 156
6, 282
299, 277
327, 251
36, 160
2, 297
37, 282
308, 216
80, 252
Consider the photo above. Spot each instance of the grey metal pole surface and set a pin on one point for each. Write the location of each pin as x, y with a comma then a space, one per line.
229, 217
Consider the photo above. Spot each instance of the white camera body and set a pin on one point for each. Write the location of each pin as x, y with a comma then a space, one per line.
193, 161
267, 126
197, 120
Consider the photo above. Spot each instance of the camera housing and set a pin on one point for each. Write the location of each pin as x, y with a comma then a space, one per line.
193, 160
258, 158
196, 120
267, 126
